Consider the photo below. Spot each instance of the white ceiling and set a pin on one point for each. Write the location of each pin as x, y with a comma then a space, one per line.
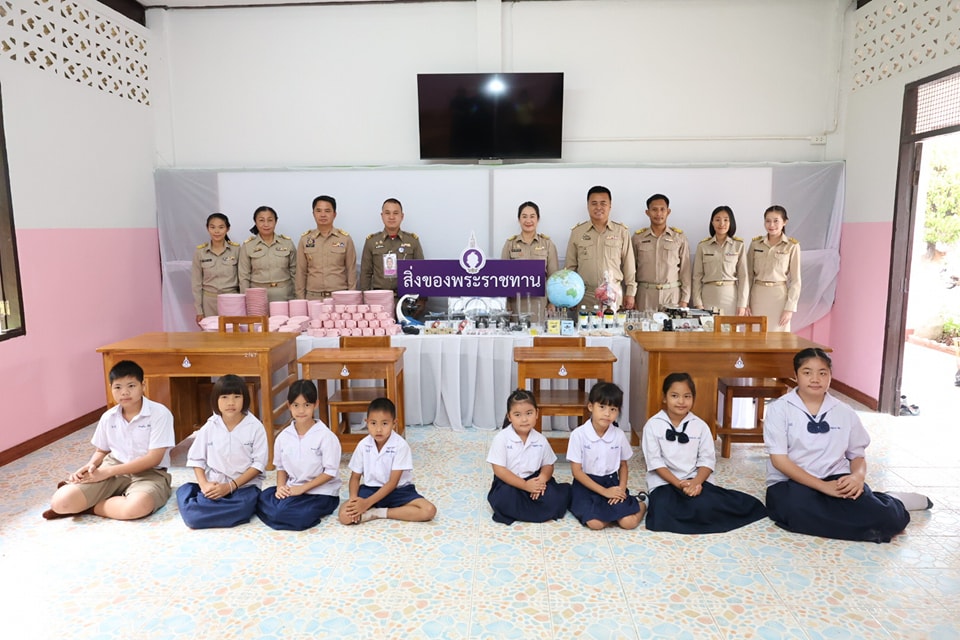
181, 4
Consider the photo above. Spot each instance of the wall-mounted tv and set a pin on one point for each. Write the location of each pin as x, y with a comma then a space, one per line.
490, 115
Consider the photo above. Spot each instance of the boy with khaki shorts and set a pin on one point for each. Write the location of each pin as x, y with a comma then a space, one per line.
126, 477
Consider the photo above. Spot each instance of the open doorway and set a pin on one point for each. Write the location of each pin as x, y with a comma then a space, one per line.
920, 361
931, 366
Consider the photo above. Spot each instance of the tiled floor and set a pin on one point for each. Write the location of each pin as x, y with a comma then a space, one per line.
464, 576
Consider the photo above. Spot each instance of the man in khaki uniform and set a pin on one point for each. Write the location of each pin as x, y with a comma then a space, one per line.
326, 257
382, 251
599, 245
663, 260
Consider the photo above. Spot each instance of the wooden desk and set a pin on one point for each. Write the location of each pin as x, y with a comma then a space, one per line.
378, 363
564, 363
173, 362
706, 356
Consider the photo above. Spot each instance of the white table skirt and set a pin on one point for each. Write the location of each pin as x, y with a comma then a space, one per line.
456, 381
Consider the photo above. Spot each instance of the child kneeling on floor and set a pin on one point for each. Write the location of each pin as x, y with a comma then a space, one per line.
228, 456
385, 464
126, 477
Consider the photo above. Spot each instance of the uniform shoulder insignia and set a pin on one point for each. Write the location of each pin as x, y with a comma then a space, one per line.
620, 224
643, 230
511, 238
676, 230
371, 235
343, 232
415, 236
306, 232
707, 239
249, 239
202, 246
794, 241
232, 243
758, 238
575, 226
280, 235
544, 236
738, 239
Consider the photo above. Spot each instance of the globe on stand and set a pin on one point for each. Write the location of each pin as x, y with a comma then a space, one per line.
565, 289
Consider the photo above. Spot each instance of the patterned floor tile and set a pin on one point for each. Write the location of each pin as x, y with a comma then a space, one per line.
757, 621
840, 623
678, 621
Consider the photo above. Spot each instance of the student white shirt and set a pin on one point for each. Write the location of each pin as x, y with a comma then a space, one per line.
522, 458
303, 459
224, 455
376, 466
819, 454
682, 460
598, 456
152, 428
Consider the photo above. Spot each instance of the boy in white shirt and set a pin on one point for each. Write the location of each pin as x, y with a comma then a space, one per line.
384, 461
126, 477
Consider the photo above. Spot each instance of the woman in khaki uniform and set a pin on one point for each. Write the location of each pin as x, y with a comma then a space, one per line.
530, 245
268, 260
214, 267
720, 268
773, 262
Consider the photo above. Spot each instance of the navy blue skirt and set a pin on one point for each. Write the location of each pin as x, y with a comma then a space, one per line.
873, 517
586, 505
294, 513
397, 498
511, 504
715, 510
200, 512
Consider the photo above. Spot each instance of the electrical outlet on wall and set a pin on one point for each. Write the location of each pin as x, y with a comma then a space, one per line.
818, 139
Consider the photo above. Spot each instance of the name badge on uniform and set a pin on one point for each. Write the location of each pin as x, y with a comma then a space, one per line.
390, 265
311, 242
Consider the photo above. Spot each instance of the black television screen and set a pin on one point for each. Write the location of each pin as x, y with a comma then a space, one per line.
490, 115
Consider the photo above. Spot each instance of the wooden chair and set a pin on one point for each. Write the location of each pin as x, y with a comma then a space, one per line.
561, 402
351, 399
757, 389
249, 322
253, 384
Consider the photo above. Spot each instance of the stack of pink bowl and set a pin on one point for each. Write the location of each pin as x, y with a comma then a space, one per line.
347, 297
257, 302
279, 308
231, 304
381, 297
210, 323
298, 308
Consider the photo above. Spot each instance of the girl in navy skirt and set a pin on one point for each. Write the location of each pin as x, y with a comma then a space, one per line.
228, 456
817, 469
598, 452
680, 455
307, 457
523, 486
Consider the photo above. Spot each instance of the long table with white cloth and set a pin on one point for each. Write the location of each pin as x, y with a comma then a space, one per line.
456, 381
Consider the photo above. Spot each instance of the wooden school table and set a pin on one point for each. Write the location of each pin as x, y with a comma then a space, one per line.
374, 363
565, 363
173, 364
706, 356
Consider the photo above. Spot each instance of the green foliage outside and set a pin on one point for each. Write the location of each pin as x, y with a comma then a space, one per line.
942, 220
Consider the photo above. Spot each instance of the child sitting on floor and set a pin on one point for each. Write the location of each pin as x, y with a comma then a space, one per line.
126, 478
307, 457
523, 485
680, 454
228, 456
384, 461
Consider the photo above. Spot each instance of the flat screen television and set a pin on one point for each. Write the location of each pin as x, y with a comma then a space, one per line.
490, 115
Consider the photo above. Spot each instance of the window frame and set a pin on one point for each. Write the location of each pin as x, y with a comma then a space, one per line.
11, 300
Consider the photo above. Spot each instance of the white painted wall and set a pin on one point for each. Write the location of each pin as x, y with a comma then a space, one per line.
650, 81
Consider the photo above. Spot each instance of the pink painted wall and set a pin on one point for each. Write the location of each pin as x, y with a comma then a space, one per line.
82, 288
858, 318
